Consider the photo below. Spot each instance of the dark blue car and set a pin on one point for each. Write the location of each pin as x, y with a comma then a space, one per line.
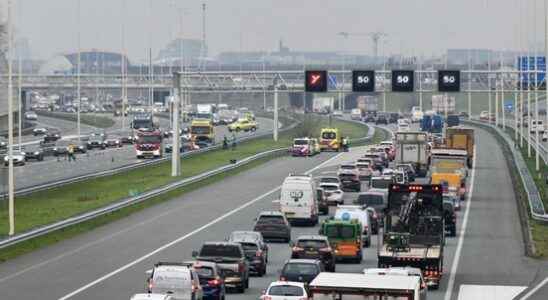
211, 280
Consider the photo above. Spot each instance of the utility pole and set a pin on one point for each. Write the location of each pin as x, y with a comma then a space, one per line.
470, 67
276, 112
78, 71
176, 152
123, 65
11, 182
521, 74
502, 102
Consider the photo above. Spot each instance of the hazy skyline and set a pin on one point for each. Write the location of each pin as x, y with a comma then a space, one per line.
417, 27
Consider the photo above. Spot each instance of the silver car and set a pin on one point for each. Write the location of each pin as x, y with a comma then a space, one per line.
176, 279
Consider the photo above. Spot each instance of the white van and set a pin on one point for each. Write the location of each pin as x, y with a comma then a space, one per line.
298, 199
177, 279
359, 213
537, 125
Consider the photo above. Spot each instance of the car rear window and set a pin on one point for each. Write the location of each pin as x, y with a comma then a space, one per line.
249, 246
300, 269
318, 244
270, 220
370, 200
339, 231
169, 278
380, 183
329, 187
329, 180
348, 167
220, 251
204, 272
286, 290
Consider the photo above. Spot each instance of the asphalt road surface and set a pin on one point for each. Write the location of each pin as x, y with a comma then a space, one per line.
54, 169
109, 262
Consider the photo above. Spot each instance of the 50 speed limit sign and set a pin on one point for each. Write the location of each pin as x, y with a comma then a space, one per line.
363, 81
403, 81
449, 81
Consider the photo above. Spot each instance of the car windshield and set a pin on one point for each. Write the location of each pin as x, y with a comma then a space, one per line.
329, 135
203, 116
199, 129
370, 199
137, 124
149, 139
286, 290
339, 231
300, 142
300, 269
220, 251
317, 244
348, 167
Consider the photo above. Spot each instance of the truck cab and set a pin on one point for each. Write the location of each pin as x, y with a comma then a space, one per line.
149, 144
202, 131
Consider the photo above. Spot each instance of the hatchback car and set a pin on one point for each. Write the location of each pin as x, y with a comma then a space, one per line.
349, 175
39, 131
150, 296
33, 153
285, 290
314, 247
211, 279
113, 142
52, 136
333, 192
301, 270
18, 159
273, 225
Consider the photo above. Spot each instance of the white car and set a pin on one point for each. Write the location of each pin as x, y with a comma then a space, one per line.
337, 113
364, 167
333, 192
403, 127
285, 290
31, 116
151, 297
18, 159
484, 115
388, 172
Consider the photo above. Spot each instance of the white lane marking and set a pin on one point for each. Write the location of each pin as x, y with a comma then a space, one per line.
186, 236
535, 289
456, 258
489, 292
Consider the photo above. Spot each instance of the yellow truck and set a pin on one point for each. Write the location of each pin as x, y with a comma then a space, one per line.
449, 165
461, 138
202, 131
330, 139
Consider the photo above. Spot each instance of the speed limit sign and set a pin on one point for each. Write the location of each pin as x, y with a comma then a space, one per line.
449, 81
363, 81
403, 81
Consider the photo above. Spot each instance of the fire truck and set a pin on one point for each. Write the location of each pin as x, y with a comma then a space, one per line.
149, 144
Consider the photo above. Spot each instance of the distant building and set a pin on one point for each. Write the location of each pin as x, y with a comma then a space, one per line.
91, 62
188, 49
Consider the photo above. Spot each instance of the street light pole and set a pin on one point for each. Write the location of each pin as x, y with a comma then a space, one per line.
11, 182
78, 91
175, 153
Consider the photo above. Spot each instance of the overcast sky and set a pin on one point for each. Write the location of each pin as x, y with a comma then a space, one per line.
416, 26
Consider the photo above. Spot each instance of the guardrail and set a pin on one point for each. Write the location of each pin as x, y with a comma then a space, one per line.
114, 171
149, 194
536, 206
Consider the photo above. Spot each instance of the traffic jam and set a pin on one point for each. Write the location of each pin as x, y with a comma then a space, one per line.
401, 196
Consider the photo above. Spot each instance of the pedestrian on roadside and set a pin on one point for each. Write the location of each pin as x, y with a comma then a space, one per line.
70, 152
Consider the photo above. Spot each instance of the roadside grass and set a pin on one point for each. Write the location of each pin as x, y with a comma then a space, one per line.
94, 120
49, 206
538, 230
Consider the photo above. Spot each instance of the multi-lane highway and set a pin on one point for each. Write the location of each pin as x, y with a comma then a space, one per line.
487, 256
53, 169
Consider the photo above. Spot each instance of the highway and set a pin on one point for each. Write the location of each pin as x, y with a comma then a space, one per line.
53, 169
109, 262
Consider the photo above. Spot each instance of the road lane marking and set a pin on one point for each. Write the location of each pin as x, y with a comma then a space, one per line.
489, 292
186, 236
535, 289
456, 258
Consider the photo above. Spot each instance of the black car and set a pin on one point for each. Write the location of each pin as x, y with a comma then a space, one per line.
381, 119
393, 118
254, 253
33, 153
301, 270
96, 141
374, 219
52, 137
273, 225
370, 117
323, 204
80, 148
314, 247
450, 217
112, 143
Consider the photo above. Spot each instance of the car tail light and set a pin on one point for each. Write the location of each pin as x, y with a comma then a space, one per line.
215, 282
297, 249
150, 285
266, 297
241, 267
283, 278
259, 253
194, 288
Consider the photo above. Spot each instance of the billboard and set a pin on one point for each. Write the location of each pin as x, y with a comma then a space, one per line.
527, 63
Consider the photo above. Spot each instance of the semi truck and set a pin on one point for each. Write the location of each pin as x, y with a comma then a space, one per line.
414, 230
412, 148
461, 138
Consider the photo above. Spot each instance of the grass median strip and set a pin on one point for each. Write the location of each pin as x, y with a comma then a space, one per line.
99, 121
57, 204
